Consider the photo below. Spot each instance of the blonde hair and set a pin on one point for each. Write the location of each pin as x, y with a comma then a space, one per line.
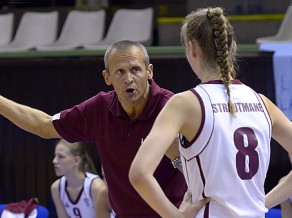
79, 149
215, 36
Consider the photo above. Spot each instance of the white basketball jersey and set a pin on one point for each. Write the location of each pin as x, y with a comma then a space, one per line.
229, 157
84, 205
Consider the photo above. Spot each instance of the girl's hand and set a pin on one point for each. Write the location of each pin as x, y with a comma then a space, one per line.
190, 210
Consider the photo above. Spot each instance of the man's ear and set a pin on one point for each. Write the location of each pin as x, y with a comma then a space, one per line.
106, 77
150, 71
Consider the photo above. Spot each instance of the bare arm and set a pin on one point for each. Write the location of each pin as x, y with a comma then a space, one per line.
282, 133
173, 151
280, 192
281, 125
173, 154
176, 114
286, 209
99, 194
61, 212
28, 119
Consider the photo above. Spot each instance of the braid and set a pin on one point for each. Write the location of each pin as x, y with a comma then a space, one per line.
219, 27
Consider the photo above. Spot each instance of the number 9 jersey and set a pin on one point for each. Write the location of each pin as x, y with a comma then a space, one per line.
83, 207
229, 157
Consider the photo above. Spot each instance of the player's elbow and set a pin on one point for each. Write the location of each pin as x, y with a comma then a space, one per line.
136, 175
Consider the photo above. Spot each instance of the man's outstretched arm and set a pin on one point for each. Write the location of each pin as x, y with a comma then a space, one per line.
27, 118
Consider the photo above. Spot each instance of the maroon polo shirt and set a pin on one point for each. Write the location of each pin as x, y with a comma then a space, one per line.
102, 120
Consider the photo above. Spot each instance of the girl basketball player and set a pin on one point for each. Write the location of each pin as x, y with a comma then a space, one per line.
79, 191
225, 129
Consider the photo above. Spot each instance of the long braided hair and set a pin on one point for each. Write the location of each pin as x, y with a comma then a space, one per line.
215, 36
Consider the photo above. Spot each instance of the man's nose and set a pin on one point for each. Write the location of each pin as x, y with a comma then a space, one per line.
128, 77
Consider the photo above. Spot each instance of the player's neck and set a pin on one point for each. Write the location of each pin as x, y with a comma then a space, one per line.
76, 180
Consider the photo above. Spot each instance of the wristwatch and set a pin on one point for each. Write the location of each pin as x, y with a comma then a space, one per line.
177, 163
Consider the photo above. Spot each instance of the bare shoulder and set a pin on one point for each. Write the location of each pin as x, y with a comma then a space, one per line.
186, 101
55, 191
97, 185
183, 99
264, 98
103, 191
271, 107
56, 198
55, 186
184, 95
98, 182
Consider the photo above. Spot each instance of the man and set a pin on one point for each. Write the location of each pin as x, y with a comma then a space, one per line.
117, 121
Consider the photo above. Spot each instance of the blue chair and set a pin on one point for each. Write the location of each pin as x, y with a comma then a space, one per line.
43, 212
2, 207
274, 213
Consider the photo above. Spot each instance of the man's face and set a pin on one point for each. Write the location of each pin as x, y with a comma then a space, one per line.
129, 76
